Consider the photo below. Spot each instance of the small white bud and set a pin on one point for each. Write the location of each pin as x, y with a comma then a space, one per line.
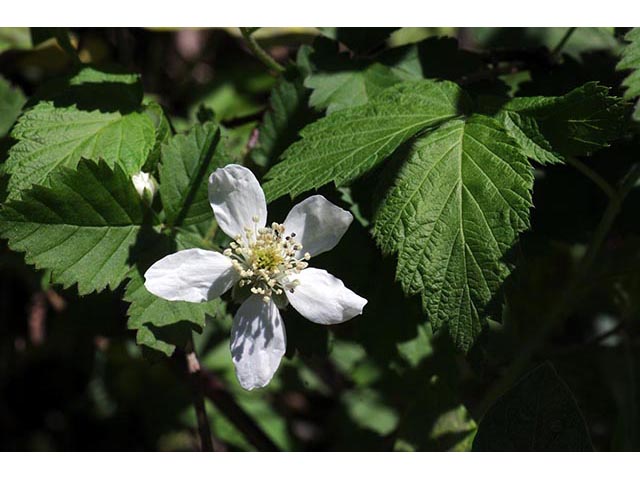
145, 185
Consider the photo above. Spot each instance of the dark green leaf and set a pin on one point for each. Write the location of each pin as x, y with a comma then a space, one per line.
187, 161
435, 422
538, 414
580, 122
288, 113
11, 101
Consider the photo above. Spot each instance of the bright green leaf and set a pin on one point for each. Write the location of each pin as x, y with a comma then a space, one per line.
82, 228
456, 209
93, 114
630, 60
343, 146
49, 137
345, 87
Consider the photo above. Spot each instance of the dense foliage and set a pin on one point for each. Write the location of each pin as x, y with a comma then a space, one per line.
492, 176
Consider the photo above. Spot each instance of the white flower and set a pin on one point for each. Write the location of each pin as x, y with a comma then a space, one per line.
145, 185
267, 268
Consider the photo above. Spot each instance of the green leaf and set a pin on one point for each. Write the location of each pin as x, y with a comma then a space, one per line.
337, 90
435, 421
339, 81
164, 340
92, 114
187, 160
147, 309
524, 130
538, 414
11, 101
163, 134
82, 228
343, 146
50, 137
288, 113
630, 60
456, 209
580, 122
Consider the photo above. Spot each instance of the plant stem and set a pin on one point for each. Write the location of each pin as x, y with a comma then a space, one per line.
571, 295
565, 38
258, 51
195, 377
592, 175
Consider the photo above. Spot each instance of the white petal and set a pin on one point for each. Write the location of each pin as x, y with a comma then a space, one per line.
236, 197
323, 298
192, 275
258, 342
318, 224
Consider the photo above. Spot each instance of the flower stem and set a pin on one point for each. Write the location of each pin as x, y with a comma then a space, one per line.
195, 377
563, 41
258, 51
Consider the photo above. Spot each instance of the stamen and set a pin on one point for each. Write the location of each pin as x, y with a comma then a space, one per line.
265, 259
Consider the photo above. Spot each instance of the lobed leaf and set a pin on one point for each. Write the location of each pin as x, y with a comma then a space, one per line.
455, 210
538, 414
91, 114
580, 122
348, 143
82, 227
630, 60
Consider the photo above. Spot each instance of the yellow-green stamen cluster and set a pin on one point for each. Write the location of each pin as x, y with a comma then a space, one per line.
265, 258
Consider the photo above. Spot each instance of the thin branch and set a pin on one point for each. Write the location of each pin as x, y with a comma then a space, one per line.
195, 377
258, 51
563, 41
215, 391
593, 176
567, 302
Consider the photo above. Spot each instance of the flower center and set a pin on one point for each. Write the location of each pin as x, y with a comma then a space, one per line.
265, 259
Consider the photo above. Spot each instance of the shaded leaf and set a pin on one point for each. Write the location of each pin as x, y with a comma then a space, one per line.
288, 113
538, 414
187, 161
580, 122
11, 101
435, 422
